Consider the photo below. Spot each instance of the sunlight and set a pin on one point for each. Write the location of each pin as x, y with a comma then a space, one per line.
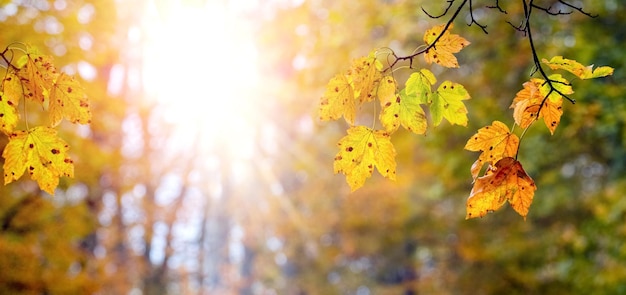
200, 63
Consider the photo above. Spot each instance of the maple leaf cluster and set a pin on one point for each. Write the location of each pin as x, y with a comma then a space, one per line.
39, 150
364, 148
505, 179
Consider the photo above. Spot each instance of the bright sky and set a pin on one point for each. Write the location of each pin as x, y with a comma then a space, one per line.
201, 61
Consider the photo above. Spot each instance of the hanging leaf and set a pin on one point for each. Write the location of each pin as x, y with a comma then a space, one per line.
42, 153
576, 68
9, 99
338, 100
68, 100
387, 90
419, 84
527, 102
37, 74
447, 102
504, 181
365, 76
495, 142
362, 150
443, 51
405, 111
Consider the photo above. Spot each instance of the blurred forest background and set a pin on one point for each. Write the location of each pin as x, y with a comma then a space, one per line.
206, 170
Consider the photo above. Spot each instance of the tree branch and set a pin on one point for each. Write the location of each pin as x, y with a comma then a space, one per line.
497, 6
528, 7
473, 20
445, 28
450, 2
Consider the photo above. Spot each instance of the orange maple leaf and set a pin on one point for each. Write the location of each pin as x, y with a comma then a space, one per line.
528, 101
504, 181
443, 51
495, 142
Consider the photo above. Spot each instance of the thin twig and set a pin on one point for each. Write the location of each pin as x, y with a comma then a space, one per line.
445, 28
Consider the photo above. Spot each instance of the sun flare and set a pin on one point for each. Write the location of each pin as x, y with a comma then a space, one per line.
199, 63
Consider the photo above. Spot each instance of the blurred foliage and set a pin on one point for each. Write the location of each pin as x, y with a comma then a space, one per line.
292, 227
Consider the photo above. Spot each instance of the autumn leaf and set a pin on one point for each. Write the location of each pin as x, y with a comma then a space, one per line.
37, 74
338, 100
419, 84
9, 99
68, 100
576, 68
387, 90
443, 51
362, 150
504, 181
365, 76
528, 101
495, 142
405, 110
447, 102
42, 153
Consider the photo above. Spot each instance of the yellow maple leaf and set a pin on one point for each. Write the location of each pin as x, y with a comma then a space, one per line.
387, 90
365, 75
68, 100
9, 99
362, 150
37, 74
576, 68
41, 152
495, 142
338, 100
504, 181
443, 51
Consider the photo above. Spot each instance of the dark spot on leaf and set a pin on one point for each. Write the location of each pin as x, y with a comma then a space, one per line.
388, 104
336, 89
69, 89
54, 151
349, 149
395, 115
31, 145
398, 99
31, 168
491, 148
369, 144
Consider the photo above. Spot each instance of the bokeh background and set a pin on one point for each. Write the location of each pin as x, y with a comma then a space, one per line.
206, 170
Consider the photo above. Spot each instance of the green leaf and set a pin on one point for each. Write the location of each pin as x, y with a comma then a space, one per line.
447, 102
419, 84
405, 110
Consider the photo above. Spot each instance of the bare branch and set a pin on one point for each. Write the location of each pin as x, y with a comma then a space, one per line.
579, 9
450, 2
473, 20
497, 6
